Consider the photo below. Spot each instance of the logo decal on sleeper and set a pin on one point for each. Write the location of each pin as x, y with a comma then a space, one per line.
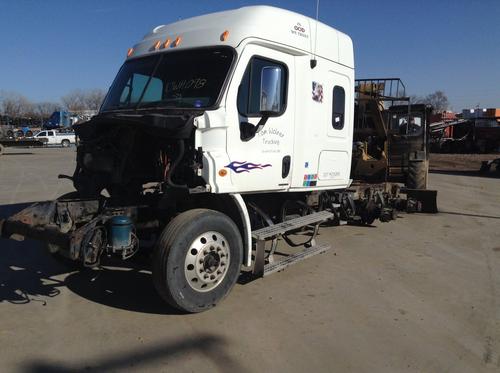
310, 179
317, 92
245, 166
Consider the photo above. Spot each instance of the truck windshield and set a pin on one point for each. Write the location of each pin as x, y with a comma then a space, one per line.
183, 79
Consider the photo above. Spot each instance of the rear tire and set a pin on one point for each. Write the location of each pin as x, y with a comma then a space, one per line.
417, 174
197, 260
65, 143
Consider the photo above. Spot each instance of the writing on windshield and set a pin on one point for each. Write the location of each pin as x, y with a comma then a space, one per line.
182, 79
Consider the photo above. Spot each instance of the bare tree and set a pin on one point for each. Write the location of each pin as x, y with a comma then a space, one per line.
94, 99
45, 109
15, 105
74, 101
438, 100
78, 101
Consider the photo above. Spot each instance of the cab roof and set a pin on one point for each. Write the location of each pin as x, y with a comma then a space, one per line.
258, 22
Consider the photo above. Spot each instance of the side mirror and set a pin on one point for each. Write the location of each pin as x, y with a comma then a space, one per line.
270, 91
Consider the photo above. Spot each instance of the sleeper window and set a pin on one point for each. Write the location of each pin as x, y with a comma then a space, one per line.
338, 106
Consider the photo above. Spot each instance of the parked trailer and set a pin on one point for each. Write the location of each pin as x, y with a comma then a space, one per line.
18, 132
6, 142
220, 134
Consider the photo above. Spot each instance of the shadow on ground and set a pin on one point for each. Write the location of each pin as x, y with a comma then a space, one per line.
29, 274
19, 153
207, 346
490, 174
469, 215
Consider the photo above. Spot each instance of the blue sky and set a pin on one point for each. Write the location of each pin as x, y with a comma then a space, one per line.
50, 47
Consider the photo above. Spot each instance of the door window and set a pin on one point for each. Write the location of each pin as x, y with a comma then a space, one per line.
263, 88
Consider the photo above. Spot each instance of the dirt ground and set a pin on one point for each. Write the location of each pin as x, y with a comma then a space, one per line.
459, 162
420, 294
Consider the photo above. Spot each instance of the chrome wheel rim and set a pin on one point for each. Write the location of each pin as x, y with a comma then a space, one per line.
207, 261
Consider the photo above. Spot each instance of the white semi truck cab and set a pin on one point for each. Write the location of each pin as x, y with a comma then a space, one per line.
220, 134
266, 120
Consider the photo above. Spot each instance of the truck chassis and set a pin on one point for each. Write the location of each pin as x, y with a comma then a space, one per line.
85, 229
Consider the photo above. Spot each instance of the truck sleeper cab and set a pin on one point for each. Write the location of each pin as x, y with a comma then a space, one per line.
219, 132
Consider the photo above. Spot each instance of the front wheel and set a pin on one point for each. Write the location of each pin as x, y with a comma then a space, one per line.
197, 260
65, 143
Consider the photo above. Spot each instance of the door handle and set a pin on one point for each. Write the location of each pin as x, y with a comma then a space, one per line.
285, 166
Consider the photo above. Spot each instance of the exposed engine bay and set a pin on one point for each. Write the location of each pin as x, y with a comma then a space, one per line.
121, 153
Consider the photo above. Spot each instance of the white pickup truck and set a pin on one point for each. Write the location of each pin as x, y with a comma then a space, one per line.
57, 138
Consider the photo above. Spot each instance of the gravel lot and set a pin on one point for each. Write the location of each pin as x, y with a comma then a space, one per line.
421, 294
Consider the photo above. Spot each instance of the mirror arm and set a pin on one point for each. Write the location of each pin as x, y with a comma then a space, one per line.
261, 123
248, 130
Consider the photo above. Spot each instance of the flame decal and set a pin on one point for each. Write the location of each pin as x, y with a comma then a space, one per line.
245, 166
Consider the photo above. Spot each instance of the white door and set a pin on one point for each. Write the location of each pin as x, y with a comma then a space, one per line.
262, 86
52, 137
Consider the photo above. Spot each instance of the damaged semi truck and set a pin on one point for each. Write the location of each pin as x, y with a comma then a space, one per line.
220, 134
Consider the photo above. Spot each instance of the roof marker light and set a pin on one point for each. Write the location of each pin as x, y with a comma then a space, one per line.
224, 36
167, 43
177, 41
157, 45
130, 51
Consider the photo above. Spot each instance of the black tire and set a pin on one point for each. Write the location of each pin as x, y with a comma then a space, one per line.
174, 249
65, 143
10, 133
417, 175
1, 149
29, 134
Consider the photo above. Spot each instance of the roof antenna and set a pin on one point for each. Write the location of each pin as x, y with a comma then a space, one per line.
313, 62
